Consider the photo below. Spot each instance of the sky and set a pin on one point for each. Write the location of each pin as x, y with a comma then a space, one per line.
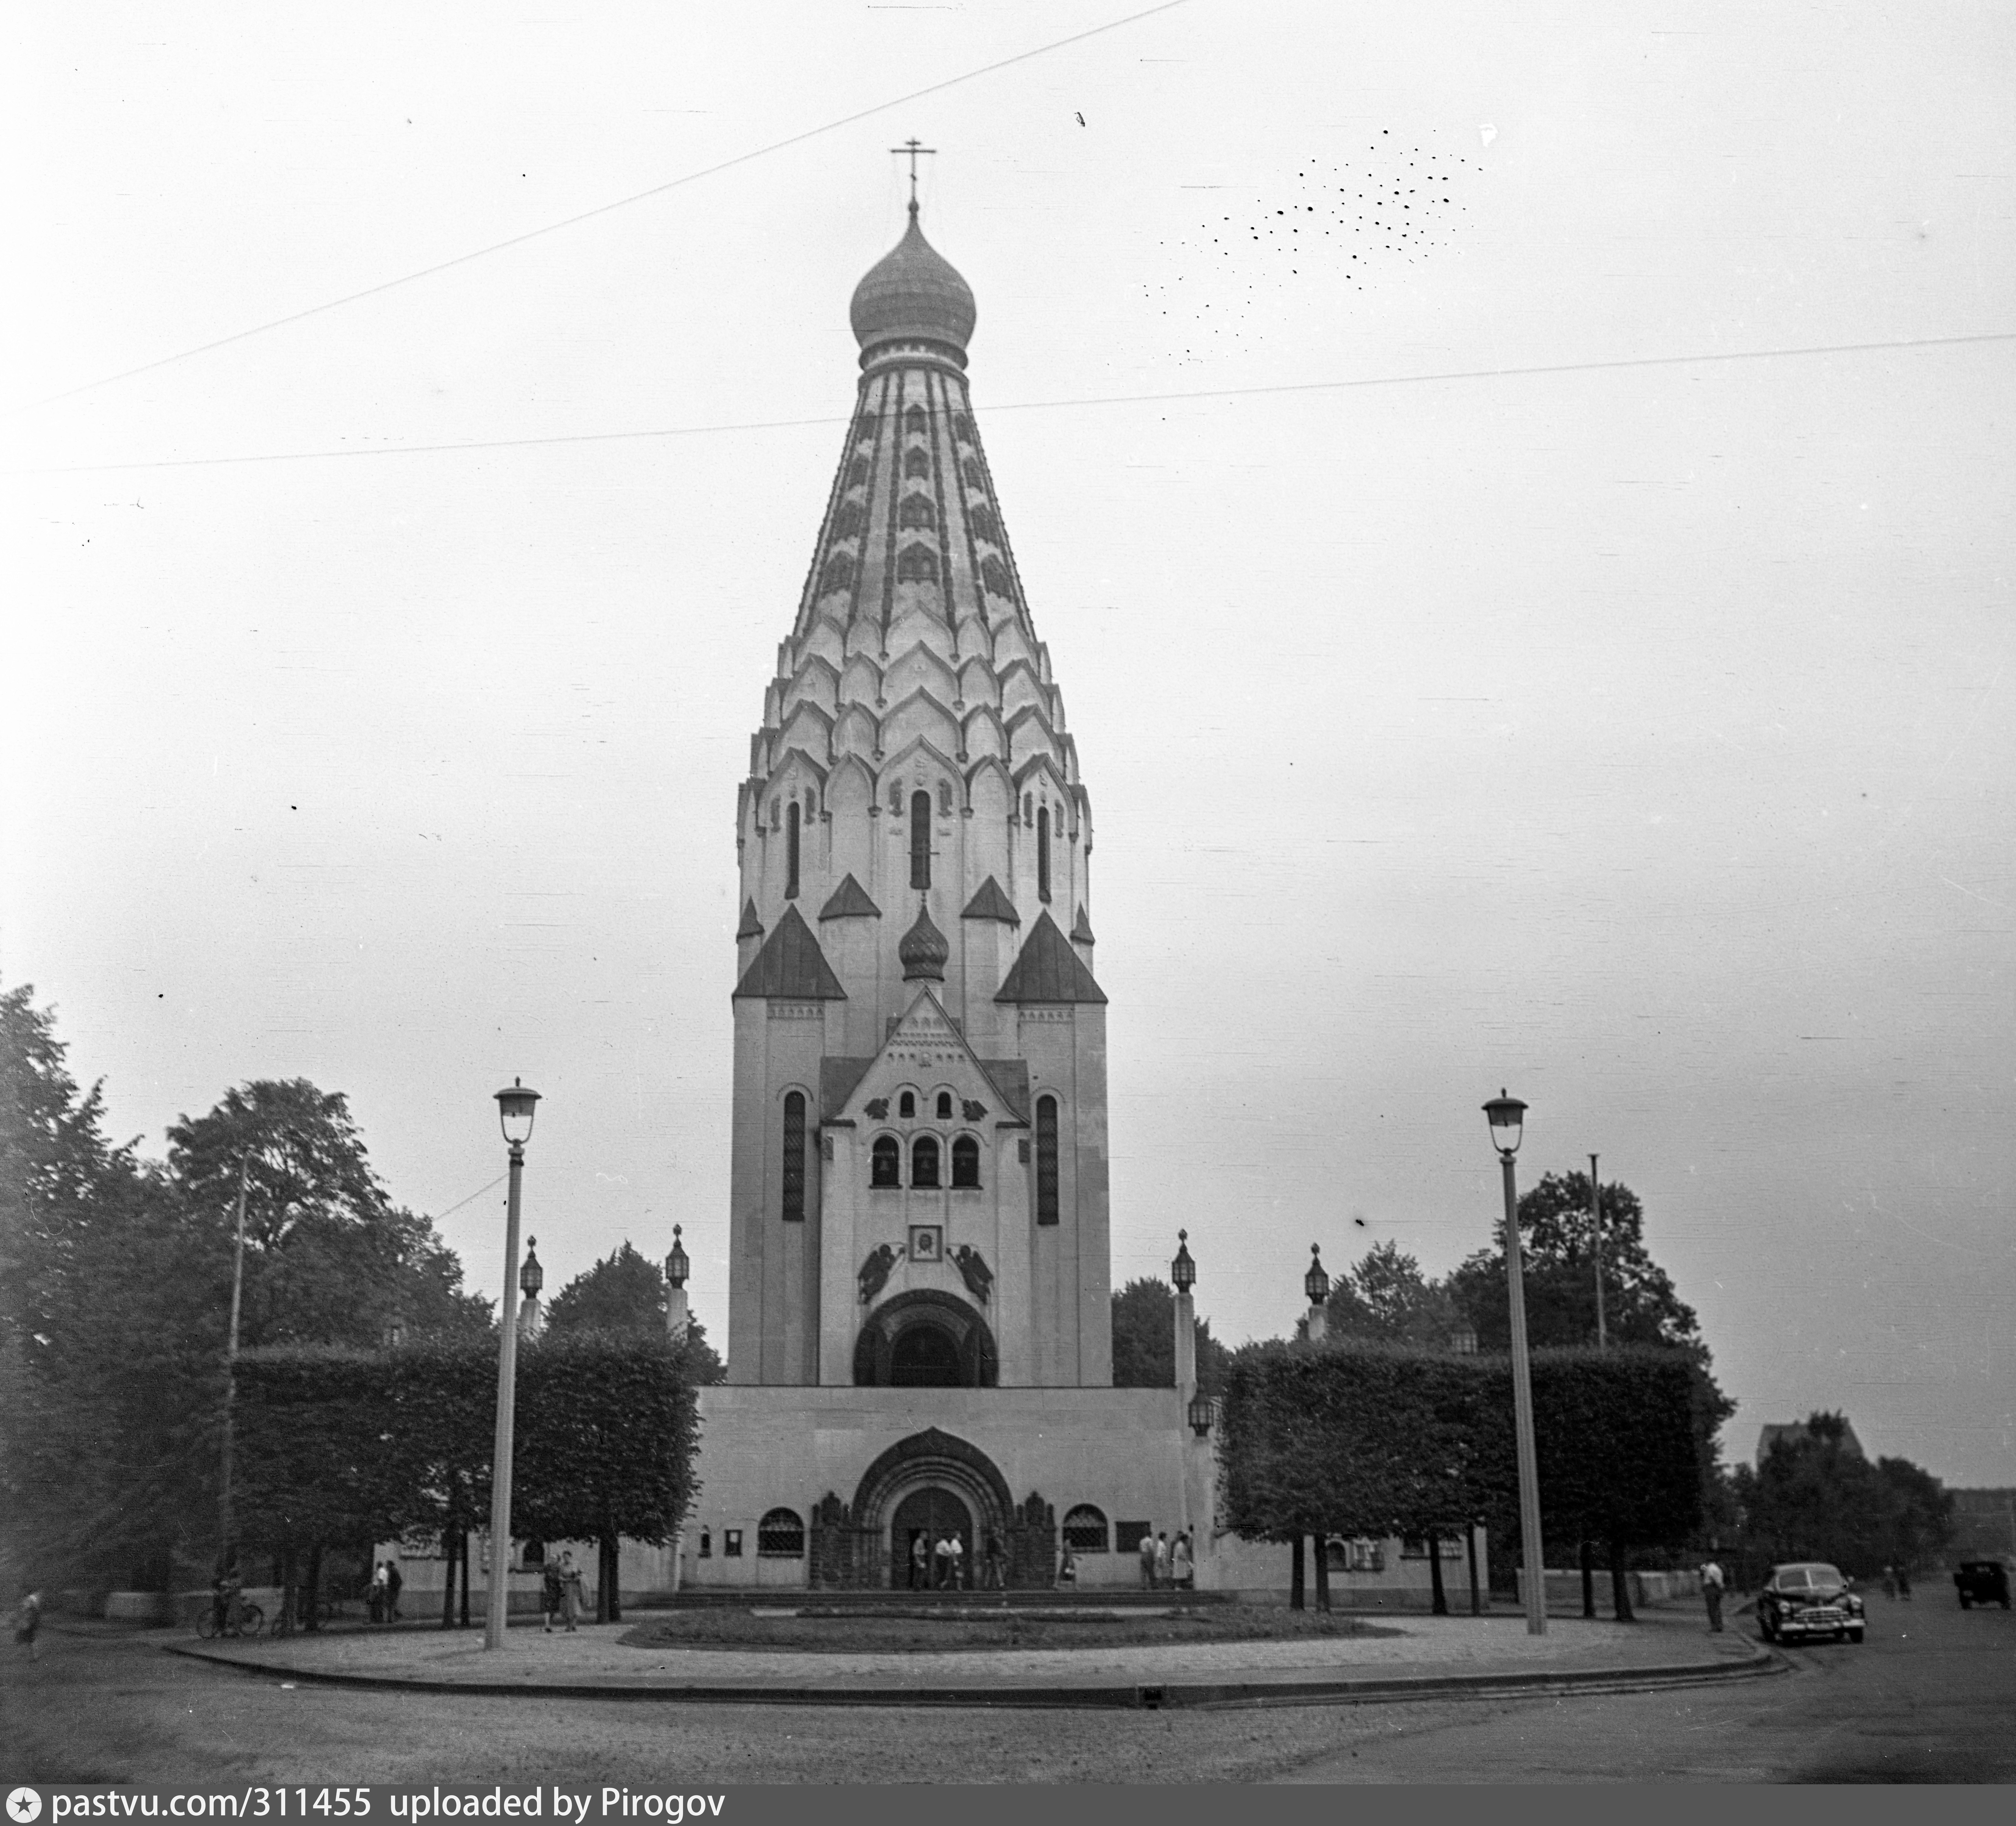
1519, 509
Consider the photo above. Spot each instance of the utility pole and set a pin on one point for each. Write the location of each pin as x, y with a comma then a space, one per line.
227, 1521
1596, 1226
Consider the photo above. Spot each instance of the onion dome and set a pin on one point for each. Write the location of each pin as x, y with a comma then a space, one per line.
912, 294
923, 949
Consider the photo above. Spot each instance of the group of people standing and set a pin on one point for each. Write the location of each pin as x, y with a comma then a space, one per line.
387, 1584
1166, 1565
939, 1564
562, 1593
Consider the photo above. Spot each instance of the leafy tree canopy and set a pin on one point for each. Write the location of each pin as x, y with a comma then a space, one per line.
624, 1295
1815, 1496
1144, 1341
1385, 1299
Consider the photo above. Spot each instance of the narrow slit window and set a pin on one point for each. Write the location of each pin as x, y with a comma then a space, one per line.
794, 1157
1042, 853
885, 1163
920, 839
1046, 1160
924, 1162
906, 1106
791, 851
965, 1163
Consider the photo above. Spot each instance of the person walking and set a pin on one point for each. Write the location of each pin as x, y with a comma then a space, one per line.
394, 1583
941, 1563
990, 1576
1903, 1581
550, 1594
28, 1622
1160, 1574
378, 1592
920, 1561
1711, 1584
1147, 1561
958, 1563
1179, 1563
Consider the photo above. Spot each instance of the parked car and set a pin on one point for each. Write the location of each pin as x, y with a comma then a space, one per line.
1807, 1599
1984, 1581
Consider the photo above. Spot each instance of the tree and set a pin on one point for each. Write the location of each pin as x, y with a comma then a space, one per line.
625, 1295
1815, 1496
328, 1258
1386, 1299
1144, 1341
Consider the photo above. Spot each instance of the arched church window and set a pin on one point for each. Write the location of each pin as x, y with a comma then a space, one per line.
1046, 1160
944, 799
924, 1162
794, 1157
965, 1163
917, 461
962, 426
780, 1535
917, 564
857, 472
864, 429
920, 839
984, 523
975, 476
913, 419
944, 1106
1085, 1529
791, 850
849, 519
906, 1106
994, 575
838, 572
885, 1163
1043, 852
917, 510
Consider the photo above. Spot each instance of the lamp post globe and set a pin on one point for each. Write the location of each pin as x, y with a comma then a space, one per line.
515, 1108
531, 1277
1506, 1114
1316, 1283
677, 1264
1182, 1271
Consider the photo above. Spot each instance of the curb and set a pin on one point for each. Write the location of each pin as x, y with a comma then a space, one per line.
1128, 1696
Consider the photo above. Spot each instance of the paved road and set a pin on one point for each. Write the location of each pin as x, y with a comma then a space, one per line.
1929, 1697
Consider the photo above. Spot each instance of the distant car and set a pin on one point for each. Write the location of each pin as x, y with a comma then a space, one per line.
1983, 1581
1808, 1598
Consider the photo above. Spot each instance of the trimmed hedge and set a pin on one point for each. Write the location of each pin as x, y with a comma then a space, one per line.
1376, 1439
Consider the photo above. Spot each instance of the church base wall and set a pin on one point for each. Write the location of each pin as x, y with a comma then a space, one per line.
1125, 1452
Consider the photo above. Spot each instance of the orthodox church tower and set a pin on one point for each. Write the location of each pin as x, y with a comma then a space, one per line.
919, 1158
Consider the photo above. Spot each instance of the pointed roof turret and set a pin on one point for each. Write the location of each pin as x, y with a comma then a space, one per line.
751, 926
1048, 970
1082, 929
990, 903
791, 966
923, 950
850, 900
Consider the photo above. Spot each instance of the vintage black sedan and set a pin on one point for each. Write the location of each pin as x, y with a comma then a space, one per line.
1984, 1581
1808, 1598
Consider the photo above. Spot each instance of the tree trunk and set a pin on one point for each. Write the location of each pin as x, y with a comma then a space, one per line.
315, 1585
608, 1591
464, 1557
1296, 1600
447, 1579
1469, 1543
1322, 1546
1620, 1586
1588, 1577
1438, 1603
287, 1595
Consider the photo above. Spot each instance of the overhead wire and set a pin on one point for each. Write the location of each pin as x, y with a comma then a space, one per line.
1218, 392
603, 209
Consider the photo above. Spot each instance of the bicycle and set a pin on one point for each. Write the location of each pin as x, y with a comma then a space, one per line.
240, 1619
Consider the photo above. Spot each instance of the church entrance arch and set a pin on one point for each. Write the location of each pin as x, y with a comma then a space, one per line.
925, 1339
930, 1477
923, 1519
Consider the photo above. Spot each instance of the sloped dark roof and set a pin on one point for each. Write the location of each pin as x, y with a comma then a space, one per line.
850, 900
838, 1077
990, 903
751, 927
791, 966
1010, 1077
1081, 930
1049, 970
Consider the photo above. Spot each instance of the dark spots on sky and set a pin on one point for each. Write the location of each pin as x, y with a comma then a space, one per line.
1354, 222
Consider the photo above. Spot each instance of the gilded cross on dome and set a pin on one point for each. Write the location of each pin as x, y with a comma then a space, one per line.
916, 150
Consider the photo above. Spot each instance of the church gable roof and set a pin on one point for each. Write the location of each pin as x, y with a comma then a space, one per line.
990, 903
1048, 970
850, 900
925, 1046
791, 966
838, 1078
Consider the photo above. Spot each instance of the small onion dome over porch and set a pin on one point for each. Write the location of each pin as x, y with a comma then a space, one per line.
923, 950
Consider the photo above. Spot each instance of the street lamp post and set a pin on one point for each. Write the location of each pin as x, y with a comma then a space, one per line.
1506, 1116
515, 1108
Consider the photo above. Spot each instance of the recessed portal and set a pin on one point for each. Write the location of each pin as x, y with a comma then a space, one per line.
924, 1356
923, 1519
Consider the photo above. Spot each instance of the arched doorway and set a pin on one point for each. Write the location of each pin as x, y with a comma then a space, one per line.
933, 1477
924, 1356
925, 1339
924, 1518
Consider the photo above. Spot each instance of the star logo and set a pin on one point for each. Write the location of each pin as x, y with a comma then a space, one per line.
24, 1805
